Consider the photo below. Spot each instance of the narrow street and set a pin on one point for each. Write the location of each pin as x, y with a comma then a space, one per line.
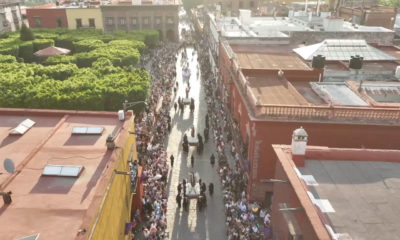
194, 224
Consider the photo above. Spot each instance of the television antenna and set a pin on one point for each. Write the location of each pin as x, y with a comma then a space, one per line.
9, 165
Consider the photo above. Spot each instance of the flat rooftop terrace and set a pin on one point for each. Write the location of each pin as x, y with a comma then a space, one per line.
364, 195
54, 206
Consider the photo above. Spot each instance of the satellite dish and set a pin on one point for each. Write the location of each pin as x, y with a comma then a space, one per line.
9, 165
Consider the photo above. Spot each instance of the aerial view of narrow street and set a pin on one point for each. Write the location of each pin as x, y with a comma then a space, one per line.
199, 120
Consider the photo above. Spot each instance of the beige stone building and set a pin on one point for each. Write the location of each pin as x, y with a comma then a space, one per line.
138, 15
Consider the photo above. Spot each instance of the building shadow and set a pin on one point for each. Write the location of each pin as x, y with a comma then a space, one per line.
96, 175
8, 140
81, 140
3, 208
53, 185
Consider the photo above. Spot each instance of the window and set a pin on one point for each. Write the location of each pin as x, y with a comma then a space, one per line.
109, 21
23, 127
92, 23
59, 22
3, 19
78, 22
37, 21
14, 15
62, 170
146, 21
134, 21
251, 4
88, 130
170, 20
157, 20
122, 21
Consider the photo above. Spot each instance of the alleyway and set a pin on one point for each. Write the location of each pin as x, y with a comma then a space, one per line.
210, 222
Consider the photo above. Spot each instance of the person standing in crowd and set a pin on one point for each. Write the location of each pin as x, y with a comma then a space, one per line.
211, 189
171, 158
212, 160
179, 200
175, 106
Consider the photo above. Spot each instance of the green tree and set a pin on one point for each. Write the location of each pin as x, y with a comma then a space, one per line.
26, 33
390, 3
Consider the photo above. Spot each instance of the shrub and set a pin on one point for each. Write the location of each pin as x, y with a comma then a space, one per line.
26, 34
10, 50
59, 71
60, 59
26, 51
87, 45
39, 44
151, 38
65, 42
119, 57
124, 44
7, 59
85, 59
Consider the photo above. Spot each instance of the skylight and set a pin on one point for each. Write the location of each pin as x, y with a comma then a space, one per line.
31, 237
342, 50
62, 170
23, 127
88, 130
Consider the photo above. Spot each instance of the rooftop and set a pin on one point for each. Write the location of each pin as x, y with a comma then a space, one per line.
280, 27
354, 191
298, 94
342, 50
41, 204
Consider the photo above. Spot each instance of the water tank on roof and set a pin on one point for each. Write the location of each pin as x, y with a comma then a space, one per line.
397, 73
318, 62
121, 115
356, 62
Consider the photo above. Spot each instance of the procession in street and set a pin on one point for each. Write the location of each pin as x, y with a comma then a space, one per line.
194, 184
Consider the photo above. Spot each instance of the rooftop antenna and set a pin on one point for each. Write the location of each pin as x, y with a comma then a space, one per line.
9, 165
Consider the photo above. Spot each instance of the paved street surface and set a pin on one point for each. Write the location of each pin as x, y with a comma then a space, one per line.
210, 222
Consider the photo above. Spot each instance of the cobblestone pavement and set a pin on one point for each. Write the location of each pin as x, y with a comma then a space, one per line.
210, 222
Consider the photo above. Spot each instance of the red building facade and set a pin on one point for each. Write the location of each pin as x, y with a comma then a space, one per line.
261, 125
47, 18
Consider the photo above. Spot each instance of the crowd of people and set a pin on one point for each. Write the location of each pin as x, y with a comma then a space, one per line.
152, 127
244, 219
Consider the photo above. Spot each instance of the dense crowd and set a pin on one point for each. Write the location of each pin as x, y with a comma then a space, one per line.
244, 219
152, 127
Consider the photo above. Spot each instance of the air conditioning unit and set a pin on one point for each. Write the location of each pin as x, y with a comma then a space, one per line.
110, 142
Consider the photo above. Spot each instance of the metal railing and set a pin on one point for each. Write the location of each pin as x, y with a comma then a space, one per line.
381, 115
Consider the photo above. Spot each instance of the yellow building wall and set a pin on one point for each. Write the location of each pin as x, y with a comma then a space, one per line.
117, 206
84, 14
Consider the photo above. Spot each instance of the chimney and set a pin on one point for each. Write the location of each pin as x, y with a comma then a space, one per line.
299, 145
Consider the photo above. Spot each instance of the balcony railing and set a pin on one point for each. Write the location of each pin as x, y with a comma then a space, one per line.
368, 115
326, 113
